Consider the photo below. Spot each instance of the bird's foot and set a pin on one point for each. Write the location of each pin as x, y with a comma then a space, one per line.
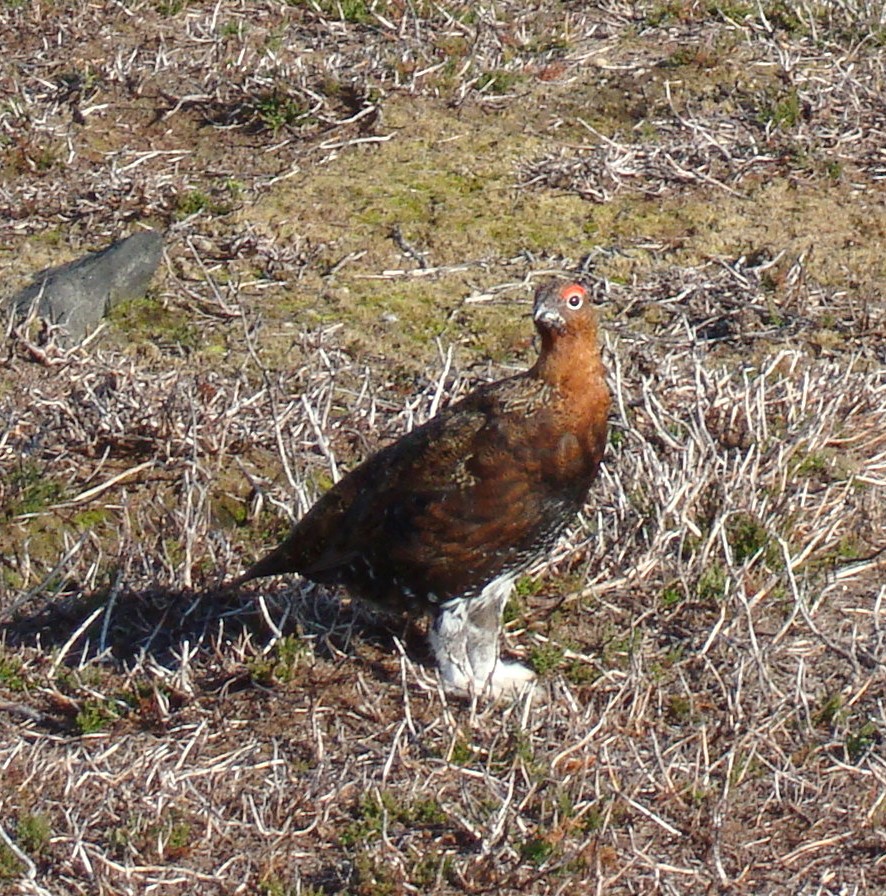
510, 679
505, 679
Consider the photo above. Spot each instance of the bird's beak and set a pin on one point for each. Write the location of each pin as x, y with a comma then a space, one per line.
549, 318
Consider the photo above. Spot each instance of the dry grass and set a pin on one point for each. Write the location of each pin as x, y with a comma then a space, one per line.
711, 637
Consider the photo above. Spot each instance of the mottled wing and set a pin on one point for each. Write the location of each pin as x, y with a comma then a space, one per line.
479, 499
371, 509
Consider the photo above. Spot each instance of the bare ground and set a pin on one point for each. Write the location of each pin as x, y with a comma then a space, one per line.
357, 198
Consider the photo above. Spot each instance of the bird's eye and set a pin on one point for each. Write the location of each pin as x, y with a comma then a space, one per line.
574, 296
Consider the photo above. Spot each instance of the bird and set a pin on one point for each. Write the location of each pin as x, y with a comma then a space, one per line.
443, 521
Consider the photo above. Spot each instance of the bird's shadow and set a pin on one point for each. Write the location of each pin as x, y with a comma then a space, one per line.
128, 627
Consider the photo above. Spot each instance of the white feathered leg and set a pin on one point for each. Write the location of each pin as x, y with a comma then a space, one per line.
464, 637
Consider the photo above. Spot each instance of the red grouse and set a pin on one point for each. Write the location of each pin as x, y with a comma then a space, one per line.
444, 519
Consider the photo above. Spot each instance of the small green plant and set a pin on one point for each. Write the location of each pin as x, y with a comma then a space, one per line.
373, 877
783, 111
44, 157
663, 13
685, 11
32, 490
276, 111
430, 868
579, 672
679, 709
730, 9
33, 833
519, 748
357, 12
592, 820
178, 838
672, 594
274, 886
95, 715
746, 766
462, 753
814, 465
536, 850
10, 866
120, 841
526, 586
170, 329
235, 187
830, 711
290, 651
11, 673
860, 742
377, 810
171, 7
428, 813
282, 663
688, 55
87, 520
784, 15
191, 203
747, 536
712, 583
515, 607
620, 645
834, 169
367, 822
546, 658
498, 82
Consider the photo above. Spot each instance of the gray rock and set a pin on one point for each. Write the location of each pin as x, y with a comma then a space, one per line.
77, 295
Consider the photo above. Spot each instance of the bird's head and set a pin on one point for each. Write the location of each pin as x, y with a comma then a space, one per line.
563, 308
569, 358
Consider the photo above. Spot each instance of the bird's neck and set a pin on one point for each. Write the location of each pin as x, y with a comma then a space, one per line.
569, 363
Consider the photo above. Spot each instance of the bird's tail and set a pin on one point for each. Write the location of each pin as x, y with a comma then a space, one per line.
272, 564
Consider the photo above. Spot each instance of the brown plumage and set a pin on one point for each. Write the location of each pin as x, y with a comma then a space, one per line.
444, 519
